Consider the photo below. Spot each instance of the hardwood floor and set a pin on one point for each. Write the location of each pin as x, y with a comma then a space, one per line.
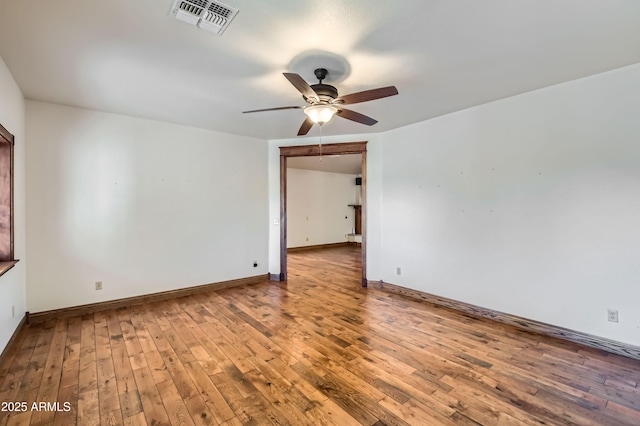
318, 349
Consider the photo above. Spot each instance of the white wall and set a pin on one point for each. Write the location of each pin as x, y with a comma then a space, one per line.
13, 282
318, 209
529, 205
374, 196
141, 205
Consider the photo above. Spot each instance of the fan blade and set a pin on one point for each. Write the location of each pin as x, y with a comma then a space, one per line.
356, 116
306, 126
272, 109
302, 86
367, 95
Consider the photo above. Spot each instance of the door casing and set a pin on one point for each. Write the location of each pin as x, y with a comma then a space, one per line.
311, 151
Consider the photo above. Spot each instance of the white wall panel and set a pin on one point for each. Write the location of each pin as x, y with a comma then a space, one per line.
529, 205
318, 209
141, 205
13, 282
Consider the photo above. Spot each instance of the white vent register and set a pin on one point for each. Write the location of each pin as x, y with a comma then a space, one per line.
206, 14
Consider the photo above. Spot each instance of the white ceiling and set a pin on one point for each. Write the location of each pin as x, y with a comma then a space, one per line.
131, 57
348, 164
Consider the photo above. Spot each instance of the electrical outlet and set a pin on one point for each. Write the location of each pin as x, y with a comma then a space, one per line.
13, 311
398, 271
98, 285
612, 315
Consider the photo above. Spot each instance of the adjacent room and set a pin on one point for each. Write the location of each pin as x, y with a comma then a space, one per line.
339, 212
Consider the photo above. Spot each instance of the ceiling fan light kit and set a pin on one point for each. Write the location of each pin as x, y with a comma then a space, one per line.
324, 102
320, 114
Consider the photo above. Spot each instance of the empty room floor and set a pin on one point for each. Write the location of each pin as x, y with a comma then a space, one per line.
317, 349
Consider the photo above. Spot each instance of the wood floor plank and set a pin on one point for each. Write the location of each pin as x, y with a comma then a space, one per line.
318, 349
235, 399
64, 417
273, 392
136, 420
130, 403
48, 391
134, 349
14, 357
199, 411
20, 419
212, 396
330, 413
414, 413
285, 385
88, 407
173, 404
146, 342
113, 418
152, 404
18, 370
157, 367
292, 377
71, 363
184, 384
107, 384
88, 374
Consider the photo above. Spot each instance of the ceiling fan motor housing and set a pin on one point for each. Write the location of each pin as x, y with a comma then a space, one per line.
325, 92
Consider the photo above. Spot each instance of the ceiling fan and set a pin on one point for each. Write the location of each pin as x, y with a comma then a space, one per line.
323, 101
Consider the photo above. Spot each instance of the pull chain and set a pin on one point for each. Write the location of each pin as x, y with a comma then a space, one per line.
321, 143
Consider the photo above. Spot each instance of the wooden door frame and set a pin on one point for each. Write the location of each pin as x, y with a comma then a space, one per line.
313, 151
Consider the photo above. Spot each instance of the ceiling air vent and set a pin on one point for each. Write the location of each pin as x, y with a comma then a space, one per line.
209, 15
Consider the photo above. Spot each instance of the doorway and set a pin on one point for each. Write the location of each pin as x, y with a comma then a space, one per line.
317, 150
